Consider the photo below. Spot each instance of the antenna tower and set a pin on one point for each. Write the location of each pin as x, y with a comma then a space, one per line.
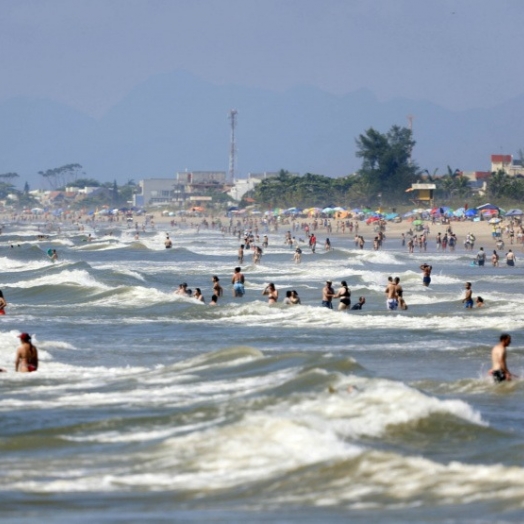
232, 146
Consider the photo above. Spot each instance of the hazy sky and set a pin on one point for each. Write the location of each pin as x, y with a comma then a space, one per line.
90, 53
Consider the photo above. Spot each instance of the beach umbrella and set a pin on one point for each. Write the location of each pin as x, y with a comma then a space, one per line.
514, 213
328, 210
408, 214
338, 208
417, 222
391, 216
494, 220
470, 213
459, 212
487, 206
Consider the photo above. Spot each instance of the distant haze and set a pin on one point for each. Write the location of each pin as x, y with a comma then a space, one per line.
142, 88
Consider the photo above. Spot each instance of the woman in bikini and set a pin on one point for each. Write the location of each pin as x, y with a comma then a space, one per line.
344, 294
26, 355
217, 288
271, 292
3, 303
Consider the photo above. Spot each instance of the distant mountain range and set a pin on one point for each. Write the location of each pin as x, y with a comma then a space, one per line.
175, 121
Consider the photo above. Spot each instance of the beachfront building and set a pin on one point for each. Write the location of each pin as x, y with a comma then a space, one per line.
508, 164
244, 185
153, 191
179, 189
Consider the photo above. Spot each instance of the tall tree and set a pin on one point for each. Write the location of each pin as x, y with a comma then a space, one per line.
63, 175
9, 176
387, 168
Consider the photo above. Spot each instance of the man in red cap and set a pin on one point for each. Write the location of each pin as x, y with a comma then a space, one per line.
26, 355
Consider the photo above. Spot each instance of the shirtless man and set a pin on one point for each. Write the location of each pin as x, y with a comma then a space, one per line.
468, 296
499, 370
391, 292
26, 355
426, 274
238, 283
327, 295
168, 243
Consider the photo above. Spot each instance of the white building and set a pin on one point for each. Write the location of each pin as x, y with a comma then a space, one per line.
155, 191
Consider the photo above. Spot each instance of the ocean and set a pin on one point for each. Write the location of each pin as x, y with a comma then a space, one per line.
153, 407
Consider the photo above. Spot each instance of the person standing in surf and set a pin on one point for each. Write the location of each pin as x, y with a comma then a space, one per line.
26, 355
499, 368
510, 258
327, 295
468, 296
238, 283
426, 274
3, 303
217, 288
344, 294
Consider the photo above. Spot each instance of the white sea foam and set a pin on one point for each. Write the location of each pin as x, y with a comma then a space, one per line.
75, 277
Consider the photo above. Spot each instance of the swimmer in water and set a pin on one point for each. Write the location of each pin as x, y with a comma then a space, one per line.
468, 296
426, 274
271, 292
499, 370
26, 355
217, 288
3, 303
238, 283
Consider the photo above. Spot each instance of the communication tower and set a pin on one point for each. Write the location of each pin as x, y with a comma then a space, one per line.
232, 146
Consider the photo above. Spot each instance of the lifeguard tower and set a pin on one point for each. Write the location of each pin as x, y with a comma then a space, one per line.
422, 194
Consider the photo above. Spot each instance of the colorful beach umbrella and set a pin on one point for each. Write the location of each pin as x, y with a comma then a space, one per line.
514, 213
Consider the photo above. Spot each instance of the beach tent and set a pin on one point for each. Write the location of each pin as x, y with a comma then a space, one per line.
514, 213
483, 207
391, 216
470, 213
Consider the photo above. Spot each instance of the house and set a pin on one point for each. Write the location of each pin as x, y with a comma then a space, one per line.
507, 163
477, 180
154, 191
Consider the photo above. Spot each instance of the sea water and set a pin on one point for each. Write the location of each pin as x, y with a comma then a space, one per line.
149, 406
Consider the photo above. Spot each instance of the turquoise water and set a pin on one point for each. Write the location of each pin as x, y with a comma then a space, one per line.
149, 406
